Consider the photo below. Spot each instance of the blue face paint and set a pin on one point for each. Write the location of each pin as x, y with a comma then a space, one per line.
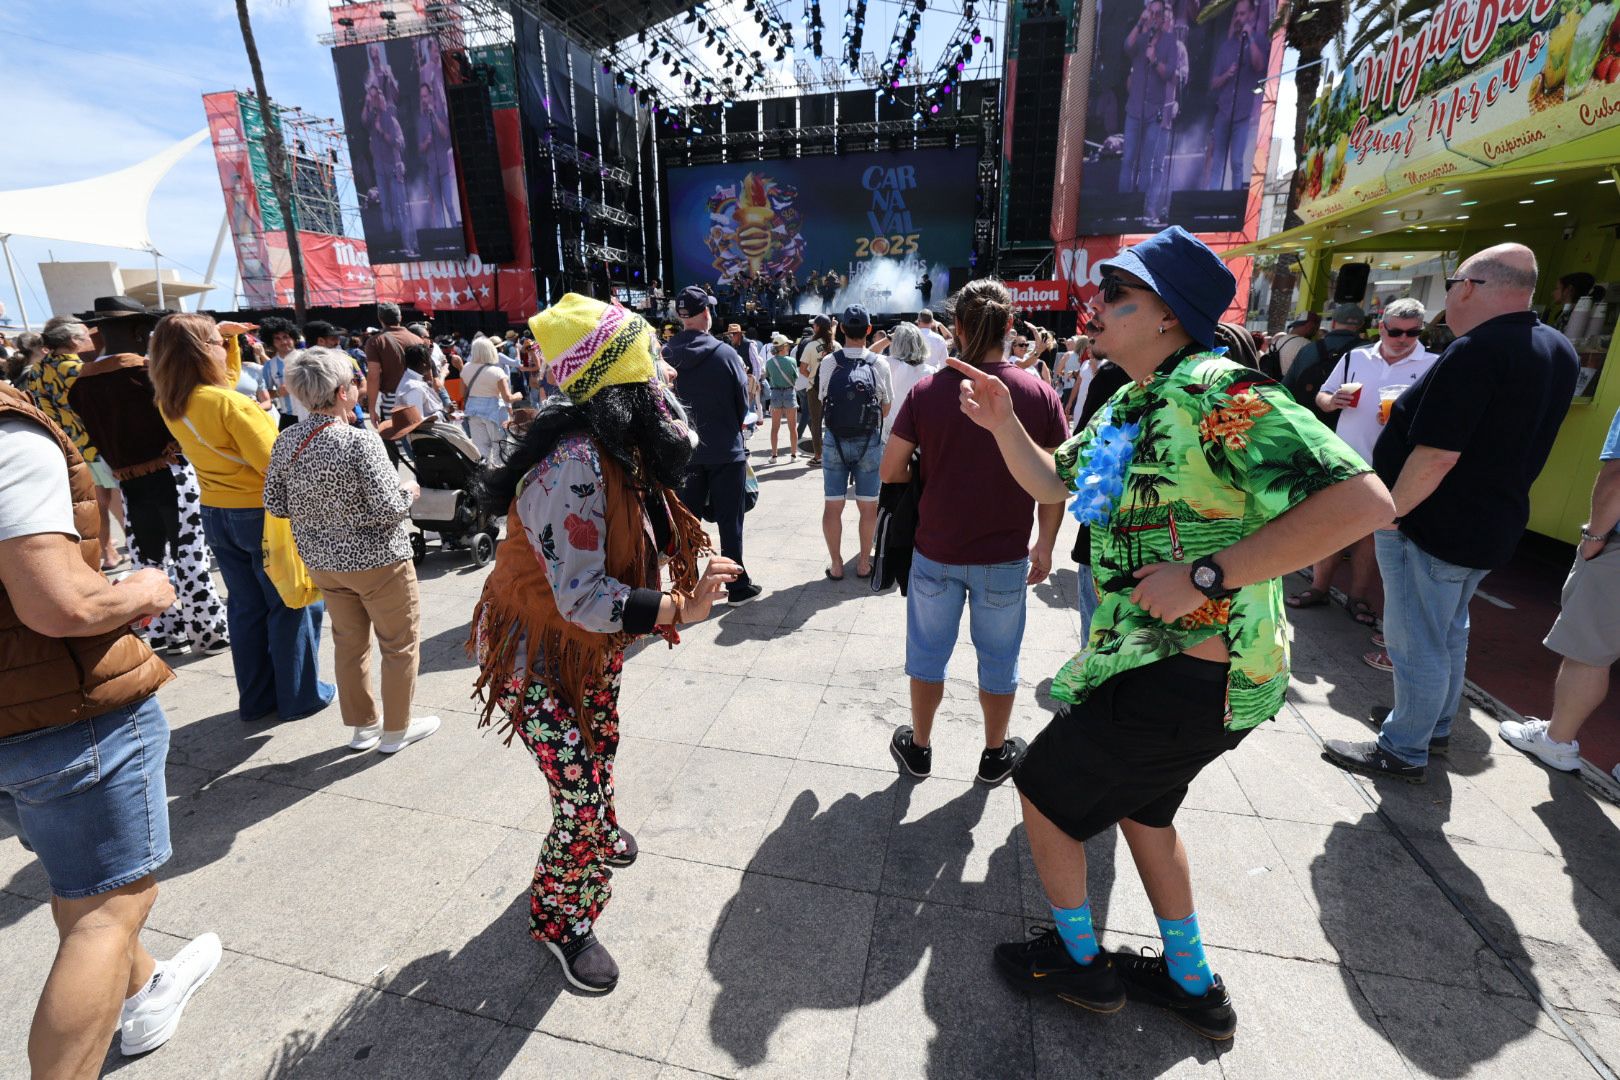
1125, 309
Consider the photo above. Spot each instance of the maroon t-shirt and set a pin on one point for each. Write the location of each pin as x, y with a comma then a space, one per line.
973, 512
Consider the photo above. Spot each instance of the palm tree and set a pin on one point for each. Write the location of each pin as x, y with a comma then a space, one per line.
276, 152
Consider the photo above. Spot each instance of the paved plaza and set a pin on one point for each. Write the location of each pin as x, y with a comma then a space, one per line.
800, 910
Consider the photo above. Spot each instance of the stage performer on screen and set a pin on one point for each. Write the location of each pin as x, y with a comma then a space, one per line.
1240, 66
1151, 49
386, 142
433, 143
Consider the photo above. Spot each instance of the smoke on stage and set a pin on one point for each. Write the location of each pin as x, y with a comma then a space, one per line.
883, 285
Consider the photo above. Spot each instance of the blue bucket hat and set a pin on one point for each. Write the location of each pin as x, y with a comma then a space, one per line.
1191, 279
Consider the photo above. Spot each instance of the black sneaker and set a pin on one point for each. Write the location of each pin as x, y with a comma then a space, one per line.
1042, 965
1439, 746
916, 760
1368, 759
178, 647
996, 765
628, 855
743, 592
1147, 979
586, 963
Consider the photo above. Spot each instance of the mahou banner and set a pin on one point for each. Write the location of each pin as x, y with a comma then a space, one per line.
1480, 83
1039, 295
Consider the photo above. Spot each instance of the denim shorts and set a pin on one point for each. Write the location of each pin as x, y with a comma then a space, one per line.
89, 798
995, 596
847, 461
782, 398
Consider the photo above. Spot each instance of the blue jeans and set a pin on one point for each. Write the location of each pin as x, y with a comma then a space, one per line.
273, 646
995, 595
89, 798
1426, 631
1087, 589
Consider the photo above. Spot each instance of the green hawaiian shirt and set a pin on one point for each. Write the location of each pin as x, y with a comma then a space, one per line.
48, 383
1220, 452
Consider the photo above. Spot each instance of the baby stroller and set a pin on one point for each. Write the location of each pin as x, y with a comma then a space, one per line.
447, 466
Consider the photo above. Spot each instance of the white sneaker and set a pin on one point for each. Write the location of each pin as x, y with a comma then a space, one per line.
421, 727
150, 1018
1530, 735
364, 738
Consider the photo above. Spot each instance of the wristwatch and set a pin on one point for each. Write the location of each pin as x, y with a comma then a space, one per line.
1209, 579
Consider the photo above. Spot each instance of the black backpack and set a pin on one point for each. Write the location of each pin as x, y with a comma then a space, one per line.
851, 408
1310, 372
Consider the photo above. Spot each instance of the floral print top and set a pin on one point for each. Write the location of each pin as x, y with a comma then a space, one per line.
564, 515
1220, 451
48, 383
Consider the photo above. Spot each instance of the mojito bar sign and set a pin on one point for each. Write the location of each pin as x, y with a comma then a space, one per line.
1472, 84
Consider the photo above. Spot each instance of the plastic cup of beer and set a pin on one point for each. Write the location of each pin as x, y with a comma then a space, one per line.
1354, 390
1386, 401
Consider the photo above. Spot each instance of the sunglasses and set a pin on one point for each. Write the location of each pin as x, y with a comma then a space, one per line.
1459, 280
1115, 287
1392, 332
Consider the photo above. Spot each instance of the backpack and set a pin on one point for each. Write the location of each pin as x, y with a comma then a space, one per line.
851, 407
1271, 362
1309, 373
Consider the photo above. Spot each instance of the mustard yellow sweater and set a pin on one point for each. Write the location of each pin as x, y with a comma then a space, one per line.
227, 438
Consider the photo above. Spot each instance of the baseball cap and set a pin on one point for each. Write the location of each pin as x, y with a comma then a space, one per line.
855, 318
780, 338
1350, 315
1190, 278
692, 300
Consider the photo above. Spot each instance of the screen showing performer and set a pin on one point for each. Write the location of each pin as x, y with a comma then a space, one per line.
1173, 115
398, 123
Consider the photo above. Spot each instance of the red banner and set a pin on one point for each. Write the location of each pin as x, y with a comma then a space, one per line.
1079, 263
1039, 295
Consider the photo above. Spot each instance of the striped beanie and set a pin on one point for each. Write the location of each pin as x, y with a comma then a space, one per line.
589, 345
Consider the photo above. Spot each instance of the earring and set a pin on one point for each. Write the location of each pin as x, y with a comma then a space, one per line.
1161, 329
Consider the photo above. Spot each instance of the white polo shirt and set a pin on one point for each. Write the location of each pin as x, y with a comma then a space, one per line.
1359, 426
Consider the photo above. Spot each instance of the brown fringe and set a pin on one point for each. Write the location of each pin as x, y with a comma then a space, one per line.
171, 456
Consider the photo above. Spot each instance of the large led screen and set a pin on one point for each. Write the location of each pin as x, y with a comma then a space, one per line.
399, 144
909, 211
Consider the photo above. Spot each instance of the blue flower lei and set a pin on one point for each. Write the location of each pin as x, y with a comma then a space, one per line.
1102, 475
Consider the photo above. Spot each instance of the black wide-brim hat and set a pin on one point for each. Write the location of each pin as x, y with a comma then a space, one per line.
108, 308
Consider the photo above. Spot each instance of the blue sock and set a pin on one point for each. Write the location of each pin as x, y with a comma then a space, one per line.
1074, 927
1184, 954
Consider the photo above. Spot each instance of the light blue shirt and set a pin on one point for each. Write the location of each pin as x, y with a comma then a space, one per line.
1611, 442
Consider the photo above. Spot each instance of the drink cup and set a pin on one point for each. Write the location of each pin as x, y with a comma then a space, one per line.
1386, 401
1354, 390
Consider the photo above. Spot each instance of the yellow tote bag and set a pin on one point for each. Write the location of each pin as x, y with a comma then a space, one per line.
283, 565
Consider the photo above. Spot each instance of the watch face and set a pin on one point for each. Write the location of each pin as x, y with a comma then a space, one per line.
1203, 577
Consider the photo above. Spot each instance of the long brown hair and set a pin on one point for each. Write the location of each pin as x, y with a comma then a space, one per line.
981, 310
179, 359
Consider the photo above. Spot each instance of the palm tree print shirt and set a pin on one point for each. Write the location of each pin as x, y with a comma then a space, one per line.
1221, 451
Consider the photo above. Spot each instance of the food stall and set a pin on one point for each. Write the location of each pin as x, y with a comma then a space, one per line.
1481, 124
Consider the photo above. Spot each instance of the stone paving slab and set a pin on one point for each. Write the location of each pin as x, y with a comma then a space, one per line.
800, 909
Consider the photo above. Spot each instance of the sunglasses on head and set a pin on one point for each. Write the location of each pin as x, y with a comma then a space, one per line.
1392, 332
1115, 287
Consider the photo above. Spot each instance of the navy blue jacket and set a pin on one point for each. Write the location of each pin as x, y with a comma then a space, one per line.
710, 382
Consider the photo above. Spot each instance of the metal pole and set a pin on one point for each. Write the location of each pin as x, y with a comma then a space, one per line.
11, 268
213, 260
157, 267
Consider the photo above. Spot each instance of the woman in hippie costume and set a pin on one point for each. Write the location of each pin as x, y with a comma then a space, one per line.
592, 517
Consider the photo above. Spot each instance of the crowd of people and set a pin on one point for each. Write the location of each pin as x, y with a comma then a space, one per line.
1198, 480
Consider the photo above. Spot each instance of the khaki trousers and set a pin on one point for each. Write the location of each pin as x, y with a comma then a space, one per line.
359, 602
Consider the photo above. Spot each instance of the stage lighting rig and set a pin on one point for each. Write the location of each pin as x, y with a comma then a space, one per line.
814, 26
854, 28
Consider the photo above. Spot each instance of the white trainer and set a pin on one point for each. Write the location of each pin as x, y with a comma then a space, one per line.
1530, 735
364, 738
150, 1018
395, 741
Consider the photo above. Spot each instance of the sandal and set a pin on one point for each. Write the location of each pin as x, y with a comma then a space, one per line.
1362, 612
832, 576
1379, 660
859, 574
815, 462
1312, 597
1378, 641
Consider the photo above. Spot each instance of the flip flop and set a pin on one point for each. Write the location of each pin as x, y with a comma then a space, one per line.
1362, 612
832, 576
1312, 597
865, 575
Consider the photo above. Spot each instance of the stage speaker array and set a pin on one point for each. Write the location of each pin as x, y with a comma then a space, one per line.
1032, 144
472, 125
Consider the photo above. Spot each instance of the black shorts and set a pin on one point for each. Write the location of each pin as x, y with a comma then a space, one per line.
1131, 748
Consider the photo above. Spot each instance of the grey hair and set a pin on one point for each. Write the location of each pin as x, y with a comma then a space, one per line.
28, 341
60, 332
925, 316
1405, 308
317, 374
483, 352
418, 328
1504, 272
388, 314
907, 345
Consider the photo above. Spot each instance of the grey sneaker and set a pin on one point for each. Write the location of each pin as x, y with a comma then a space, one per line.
586, 963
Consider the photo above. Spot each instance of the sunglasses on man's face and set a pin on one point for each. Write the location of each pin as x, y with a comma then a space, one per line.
1450, 282
1113, 288
1414, 332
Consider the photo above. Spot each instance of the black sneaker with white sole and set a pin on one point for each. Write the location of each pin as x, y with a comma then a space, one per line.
916, 760
1147, 979
742, 592
1370, 759
622, 859
996, 765
1042, 965
586, 963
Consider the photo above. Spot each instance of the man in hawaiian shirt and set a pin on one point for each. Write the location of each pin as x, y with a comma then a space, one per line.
1203, 483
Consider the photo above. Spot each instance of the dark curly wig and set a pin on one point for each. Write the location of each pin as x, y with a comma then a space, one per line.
631, 423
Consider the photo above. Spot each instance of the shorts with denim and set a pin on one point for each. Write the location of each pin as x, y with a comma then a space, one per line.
851, 461
783, 398
995, 596
89, 798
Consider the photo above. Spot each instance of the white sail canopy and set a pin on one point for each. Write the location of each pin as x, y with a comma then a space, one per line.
108, 210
